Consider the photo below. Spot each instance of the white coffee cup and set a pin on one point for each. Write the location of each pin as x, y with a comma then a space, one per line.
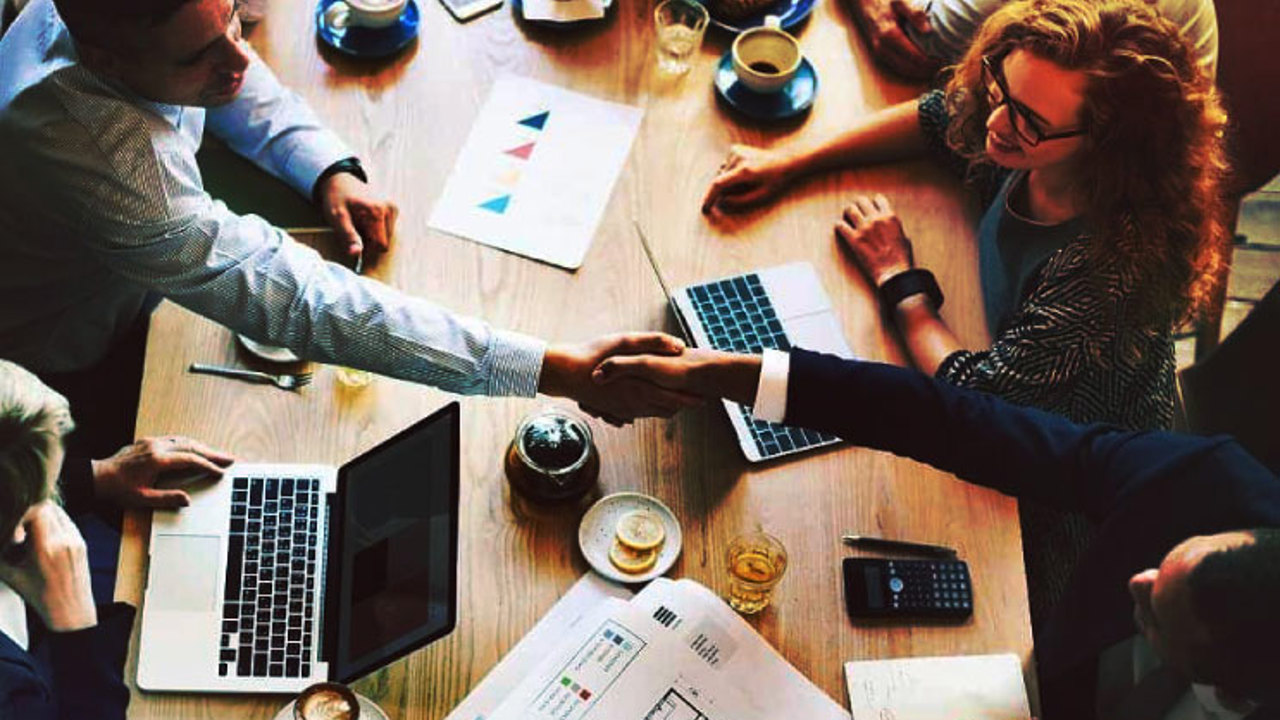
364, 13
765, 58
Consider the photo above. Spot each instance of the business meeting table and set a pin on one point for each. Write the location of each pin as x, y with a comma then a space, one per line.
407, 118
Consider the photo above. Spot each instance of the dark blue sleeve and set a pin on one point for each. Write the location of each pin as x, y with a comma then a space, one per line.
1016, 450
75, 483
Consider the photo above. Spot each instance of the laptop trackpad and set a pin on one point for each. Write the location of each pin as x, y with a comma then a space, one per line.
186, 573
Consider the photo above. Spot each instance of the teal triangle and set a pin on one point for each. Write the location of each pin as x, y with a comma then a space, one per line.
498, 204
536, 121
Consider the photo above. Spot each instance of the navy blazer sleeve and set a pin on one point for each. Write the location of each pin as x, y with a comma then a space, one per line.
75, 482
79, 676
1017, 450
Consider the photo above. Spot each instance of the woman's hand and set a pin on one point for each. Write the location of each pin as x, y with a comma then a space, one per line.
749, 176
873, 233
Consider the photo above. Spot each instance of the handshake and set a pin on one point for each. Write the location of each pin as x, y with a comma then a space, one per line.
619, 378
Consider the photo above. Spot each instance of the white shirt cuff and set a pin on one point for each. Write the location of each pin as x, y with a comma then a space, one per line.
771, 392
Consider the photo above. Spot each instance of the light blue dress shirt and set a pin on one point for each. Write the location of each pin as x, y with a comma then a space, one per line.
101, 203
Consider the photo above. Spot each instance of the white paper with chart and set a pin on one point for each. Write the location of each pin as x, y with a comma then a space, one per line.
536, 172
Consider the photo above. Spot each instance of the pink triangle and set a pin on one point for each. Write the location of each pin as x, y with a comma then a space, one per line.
523, 152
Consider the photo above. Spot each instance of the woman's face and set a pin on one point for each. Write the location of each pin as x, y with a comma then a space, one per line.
1046, 101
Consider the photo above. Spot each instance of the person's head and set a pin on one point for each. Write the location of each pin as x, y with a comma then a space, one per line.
1212, 611
1109, 95
179, 52
33, 421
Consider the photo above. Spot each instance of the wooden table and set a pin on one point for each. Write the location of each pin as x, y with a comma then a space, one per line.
407, 119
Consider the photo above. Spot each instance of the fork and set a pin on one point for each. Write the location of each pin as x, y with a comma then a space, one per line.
284, 381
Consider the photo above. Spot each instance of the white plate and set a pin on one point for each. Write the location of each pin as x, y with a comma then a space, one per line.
596, 533
267, 352
369, 710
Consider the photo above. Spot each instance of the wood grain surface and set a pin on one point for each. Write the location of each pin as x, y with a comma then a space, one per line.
407, 119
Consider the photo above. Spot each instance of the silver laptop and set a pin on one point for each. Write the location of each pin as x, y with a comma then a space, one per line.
279, 576
779, 307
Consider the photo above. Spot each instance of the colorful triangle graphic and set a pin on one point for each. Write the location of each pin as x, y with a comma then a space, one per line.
536, 121
497, 205
523, 152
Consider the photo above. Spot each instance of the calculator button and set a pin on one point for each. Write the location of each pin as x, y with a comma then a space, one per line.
896, 584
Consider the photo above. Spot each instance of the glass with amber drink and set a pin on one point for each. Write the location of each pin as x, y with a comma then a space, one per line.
757, 562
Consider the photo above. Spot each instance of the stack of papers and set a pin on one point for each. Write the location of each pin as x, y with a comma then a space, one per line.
674, 651
565, 10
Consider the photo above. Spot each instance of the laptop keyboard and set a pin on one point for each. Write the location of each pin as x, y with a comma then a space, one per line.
738, 316
271, 578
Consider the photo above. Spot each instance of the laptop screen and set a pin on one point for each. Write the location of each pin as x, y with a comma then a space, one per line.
393, 546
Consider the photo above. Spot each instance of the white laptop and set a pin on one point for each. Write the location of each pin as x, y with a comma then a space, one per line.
779, 307
280, 576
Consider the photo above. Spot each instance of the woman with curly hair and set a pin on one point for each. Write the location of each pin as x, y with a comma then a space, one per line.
1096, 140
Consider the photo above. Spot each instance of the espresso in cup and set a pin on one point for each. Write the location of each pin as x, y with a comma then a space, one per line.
365, 13
766, 58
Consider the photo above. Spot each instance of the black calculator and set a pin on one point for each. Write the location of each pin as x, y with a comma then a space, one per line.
882, 588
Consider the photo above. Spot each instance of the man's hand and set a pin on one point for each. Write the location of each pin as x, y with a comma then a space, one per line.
705, 373
882, 23
363, 221
567, 369
873, 233
128, 478
53, 576
749, 176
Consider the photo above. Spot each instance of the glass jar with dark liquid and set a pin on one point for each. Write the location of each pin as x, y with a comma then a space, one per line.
552, 457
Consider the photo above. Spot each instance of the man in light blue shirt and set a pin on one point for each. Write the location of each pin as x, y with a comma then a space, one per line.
915, 38
102, 208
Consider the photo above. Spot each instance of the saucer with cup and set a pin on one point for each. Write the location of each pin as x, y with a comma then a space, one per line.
765, 76
367, 28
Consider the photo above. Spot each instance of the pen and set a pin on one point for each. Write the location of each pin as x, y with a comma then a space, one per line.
875, 543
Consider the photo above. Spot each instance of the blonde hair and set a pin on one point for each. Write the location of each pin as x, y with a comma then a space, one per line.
33, 421
1153, 174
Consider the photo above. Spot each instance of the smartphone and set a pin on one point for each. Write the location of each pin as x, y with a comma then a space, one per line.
464, 10
882, 588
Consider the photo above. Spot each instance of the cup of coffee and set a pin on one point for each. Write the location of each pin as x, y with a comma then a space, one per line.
326, 701
371, 14
765, 58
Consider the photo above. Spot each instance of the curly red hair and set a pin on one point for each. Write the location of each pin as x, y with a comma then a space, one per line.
1153, 170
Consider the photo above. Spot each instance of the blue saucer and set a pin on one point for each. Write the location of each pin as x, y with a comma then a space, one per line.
369, 42
794, 98
789, 12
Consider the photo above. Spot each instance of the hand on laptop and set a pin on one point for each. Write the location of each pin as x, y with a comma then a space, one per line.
567, 372
749, 176
129, 477
53, 575
697, 371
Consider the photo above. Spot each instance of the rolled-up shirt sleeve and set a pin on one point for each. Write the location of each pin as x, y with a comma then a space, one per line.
274, 128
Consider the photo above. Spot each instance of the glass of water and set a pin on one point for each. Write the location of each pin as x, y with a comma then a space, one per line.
681, 24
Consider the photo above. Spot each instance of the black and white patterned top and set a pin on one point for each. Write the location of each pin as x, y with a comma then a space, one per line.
1074, 345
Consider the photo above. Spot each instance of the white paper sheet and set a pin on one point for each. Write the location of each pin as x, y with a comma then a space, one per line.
537, 170
624, 667
586, 596
711, 631
974, 687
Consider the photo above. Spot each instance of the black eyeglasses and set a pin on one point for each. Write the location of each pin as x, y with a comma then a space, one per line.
1023, 120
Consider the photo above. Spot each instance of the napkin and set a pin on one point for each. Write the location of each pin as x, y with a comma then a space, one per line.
565, 10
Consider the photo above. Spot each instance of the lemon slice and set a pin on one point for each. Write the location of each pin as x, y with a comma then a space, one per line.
641, 530
630, 560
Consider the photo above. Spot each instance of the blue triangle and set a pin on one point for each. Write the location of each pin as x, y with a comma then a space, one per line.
536, 121
498, 204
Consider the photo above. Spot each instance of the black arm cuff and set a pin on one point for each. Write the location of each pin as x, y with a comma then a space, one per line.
907, 283
76, 484
347, 165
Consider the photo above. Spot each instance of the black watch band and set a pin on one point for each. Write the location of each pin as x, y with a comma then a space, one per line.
347, 165
908, 283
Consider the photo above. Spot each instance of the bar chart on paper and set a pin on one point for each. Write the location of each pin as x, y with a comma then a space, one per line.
537, 170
